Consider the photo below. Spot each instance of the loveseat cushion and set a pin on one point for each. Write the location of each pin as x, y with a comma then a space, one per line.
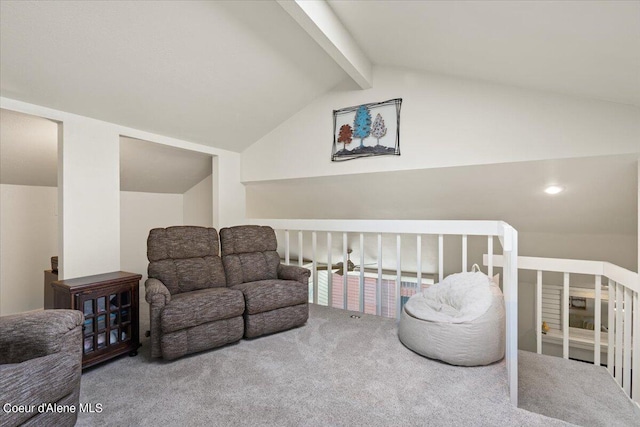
249, 253
247, 238
190, 274
266, 295
181, 242
198, 307
185, 258
251, 267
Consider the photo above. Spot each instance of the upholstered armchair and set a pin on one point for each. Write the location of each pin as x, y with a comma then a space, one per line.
276, 295
191, 307
40, 362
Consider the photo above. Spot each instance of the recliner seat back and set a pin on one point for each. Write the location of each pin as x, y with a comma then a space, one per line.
249, 254
185, 258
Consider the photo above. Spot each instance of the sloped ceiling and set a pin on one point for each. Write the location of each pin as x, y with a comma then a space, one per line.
28, 150
225, 73
213, 72
153, 168
583, 48
28, 156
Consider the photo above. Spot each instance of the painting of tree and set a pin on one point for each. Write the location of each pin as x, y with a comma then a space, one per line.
362, 124
346, 133
378, 129
355, 122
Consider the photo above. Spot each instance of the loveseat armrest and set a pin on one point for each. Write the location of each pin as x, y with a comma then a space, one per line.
156, 293
293, 272
27, 336
158, 296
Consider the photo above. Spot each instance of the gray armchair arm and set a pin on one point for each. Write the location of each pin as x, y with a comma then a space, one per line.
40, 362
26, 336
157, 295
156, 292
293, 272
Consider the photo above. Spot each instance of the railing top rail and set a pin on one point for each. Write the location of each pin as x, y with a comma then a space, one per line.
470, 228
616, 273
621, 275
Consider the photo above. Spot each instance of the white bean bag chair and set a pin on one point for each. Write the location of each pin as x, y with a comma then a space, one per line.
460, 321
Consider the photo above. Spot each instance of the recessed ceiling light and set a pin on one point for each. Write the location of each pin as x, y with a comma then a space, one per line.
554, 189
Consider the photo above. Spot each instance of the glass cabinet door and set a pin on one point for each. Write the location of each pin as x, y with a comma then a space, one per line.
107, 319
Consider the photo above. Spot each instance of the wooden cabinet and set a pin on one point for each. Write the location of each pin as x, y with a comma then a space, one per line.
110, 306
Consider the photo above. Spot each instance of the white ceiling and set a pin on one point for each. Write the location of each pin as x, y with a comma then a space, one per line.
225, 73
584, 48
28, 156
601, 195
28, 150
153, 168
218, 73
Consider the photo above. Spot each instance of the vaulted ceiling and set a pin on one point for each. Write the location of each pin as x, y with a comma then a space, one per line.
217, 73
225, 73
584, 48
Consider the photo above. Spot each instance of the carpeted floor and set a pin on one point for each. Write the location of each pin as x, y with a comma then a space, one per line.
579, 392
334, 371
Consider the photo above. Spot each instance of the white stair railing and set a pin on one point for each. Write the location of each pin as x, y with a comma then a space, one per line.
623, 336
400, 228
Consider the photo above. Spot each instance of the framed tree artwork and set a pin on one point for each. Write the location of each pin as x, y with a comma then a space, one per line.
366, 130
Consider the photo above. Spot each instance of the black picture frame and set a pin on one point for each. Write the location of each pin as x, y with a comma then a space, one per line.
382, 133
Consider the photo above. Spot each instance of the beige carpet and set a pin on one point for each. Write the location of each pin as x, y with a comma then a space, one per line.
334, 371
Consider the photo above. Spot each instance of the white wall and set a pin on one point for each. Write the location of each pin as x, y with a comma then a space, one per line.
228, 176
620, 249
198, 204
139, 213
89, 197
28, 225
447, 121
89, 179
29, 230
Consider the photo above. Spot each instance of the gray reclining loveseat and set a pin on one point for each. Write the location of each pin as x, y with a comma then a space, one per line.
198, 302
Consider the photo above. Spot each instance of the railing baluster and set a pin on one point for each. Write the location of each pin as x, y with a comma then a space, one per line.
464, 252
619, 333
440, 257
398, 277
418, 263
286, 247
611, 351
379, 281
490, 252
345, 271
300, 256
361, 273
635, 382
565, 316
329, 272
597, 319
539, 312
314, 266
626, 363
